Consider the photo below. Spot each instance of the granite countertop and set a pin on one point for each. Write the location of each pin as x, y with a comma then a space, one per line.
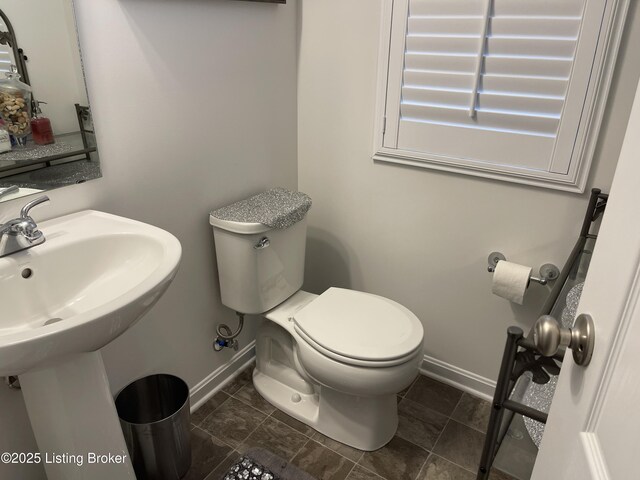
65, 145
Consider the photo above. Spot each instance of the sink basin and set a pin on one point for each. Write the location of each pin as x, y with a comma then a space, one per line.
92, 279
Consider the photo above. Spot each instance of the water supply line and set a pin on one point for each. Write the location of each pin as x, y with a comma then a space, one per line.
227, 338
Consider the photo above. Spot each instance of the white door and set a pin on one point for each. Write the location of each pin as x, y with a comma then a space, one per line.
594, 423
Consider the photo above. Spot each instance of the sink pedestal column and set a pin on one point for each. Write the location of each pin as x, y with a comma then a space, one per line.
73, 416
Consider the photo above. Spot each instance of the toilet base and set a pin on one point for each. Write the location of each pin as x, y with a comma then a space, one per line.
365, 423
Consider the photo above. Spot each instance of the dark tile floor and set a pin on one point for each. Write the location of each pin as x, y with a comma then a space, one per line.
440, 436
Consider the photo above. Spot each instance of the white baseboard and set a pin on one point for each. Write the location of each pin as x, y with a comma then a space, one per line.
221, 376
432, 367
457, 377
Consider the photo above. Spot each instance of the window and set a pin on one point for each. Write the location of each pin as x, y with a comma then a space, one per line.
5, 59
507, 89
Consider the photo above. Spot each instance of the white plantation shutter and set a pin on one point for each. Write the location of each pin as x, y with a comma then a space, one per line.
5, 59
492, 84
6, 53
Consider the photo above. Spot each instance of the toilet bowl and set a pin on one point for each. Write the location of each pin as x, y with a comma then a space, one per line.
334, 361
339, 381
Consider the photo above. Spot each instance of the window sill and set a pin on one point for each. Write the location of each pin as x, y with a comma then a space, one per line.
506, 174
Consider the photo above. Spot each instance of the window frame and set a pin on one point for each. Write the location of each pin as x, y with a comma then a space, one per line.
611, 30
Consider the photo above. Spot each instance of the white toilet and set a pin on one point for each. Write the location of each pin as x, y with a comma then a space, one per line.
334, 361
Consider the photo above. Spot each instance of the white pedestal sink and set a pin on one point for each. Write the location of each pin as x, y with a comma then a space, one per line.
92, 279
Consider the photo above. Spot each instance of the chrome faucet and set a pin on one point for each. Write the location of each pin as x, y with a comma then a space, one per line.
21, 233
8, 190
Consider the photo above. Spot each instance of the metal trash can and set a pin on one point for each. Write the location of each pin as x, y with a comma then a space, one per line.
154, 415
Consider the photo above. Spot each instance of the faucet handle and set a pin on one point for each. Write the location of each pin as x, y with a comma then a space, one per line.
24, 213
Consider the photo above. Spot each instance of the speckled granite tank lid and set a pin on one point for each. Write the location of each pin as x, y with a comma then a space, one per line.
276, 208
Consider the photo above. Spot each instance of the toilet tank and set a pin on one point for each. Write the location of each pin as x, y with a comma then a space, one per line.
260, 249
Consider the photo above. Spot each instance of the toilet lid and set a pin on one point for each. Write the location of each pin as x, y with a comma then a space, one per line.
360, 326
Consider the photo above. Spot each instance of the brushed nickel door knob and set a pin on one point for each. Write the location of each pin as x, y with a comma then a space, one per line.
549, 337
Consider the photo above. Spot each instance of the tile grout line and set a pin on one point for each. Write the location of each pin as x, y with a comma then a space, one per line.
242, 400
206, 477
335, 451
252, 407
235, 379
252, 432
294, 430
289, 426
449, 419
371, 471
429, 451
212, 411
233, 451
457, 405
310, 437
276, 420
199, 427
446, 459
299, 450
349, 472
440, 435
410, 387
212, 435
484, 432
225, 458
232, 395
454, 463
423, 464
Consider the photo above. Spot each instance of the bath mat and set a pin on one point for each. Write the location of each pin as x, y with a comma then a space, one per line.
260, 464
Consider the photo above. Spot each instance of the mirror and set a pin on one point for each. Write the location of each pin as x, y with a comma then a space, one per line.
47, 138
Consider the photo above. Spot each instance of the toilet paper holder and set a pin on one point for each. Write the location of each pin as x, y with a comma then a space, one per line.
548, 271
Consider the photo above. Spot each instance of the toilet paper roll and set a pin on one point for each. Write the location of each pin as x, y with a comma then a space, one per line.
510, 281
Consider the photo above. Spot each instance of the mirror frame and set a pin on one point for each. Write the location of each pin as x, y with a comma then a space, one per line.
9, 38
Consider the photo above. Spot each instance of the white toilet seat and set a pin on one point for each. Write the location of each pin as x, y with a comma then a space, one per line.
358, 328
354, 361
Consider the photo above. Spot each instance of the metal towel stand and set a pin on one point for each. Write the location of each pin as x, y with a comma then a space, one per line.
509, 372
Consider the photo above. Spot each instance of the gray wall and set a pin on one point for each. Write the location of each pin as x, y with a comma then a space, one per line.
419, 236
195, 106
